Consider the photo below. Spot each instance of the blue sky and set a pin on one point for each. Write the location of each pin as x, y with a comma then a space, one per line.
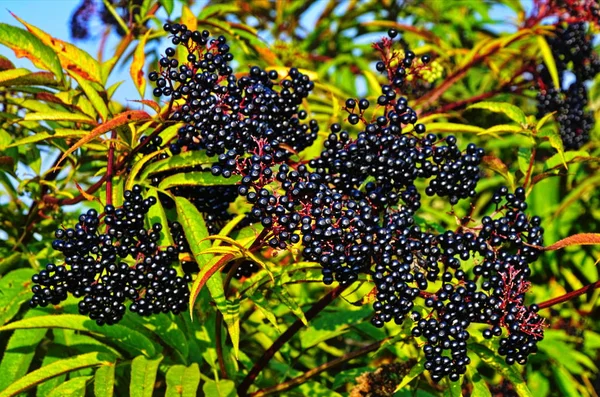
53, 17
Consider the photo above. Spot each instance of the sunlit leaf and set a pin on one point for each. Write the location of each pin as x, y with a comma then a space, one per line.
57, 368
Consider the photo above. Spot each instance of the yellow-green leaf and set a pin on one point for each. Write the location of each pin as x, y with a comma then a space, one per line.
198, 178
25, 44
59, 116
454, 128
509, 110
72, 388
548, 60
104, 381
137, 65
127, 338
93, 95
57, 368
184, 160
183, 381
143, 376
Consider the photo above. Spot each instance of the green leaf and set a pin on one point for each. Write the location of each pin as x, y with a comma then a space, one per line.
119, 120
291, 303
509, 110
139, 164
543, 121
14, 290
524, 156
510, 372
164, 326
222, 388
125, 337
566, 382
555, 140
168, 5
12, 74
94, 97
57, 368
454, 128
549, 60
189, 159
502, 129
59, 116
25, 44
58, 133
143, 376
199, 178
157, 214
72, 388
183, 381
104, 381
54, 353
217, 9
330, 324
20, 351
569, 157
539, 384
480, 387
195, 231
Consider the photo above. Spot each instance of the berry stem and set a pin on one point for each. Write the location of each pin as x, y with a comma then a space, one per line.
321, 368
568, 296
262, 362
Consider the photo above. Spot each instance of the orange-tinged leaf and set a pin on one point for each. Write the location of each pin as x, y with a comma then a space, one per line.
32, 78
137, 65
495, 164
206, 273
5, 63
119, 120
85, 194
26, 45
71, 58
576, 239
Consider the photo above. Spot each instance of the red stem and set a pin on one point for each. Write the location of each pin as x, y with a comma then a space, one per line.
109, 168
569, 295
118, 167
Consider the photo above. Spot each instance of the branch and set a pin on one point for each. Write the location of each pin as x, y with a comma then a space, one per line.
120, 165
262, 362
569, 295
109, 167
315, 371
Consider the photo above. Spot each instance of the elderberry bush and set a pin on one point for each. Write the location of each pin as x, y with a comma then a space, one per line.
111, 259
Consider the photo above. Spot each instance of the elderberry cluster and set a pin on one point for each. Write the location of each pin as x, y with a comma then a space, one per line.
571, 46
111, 259
353, 209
